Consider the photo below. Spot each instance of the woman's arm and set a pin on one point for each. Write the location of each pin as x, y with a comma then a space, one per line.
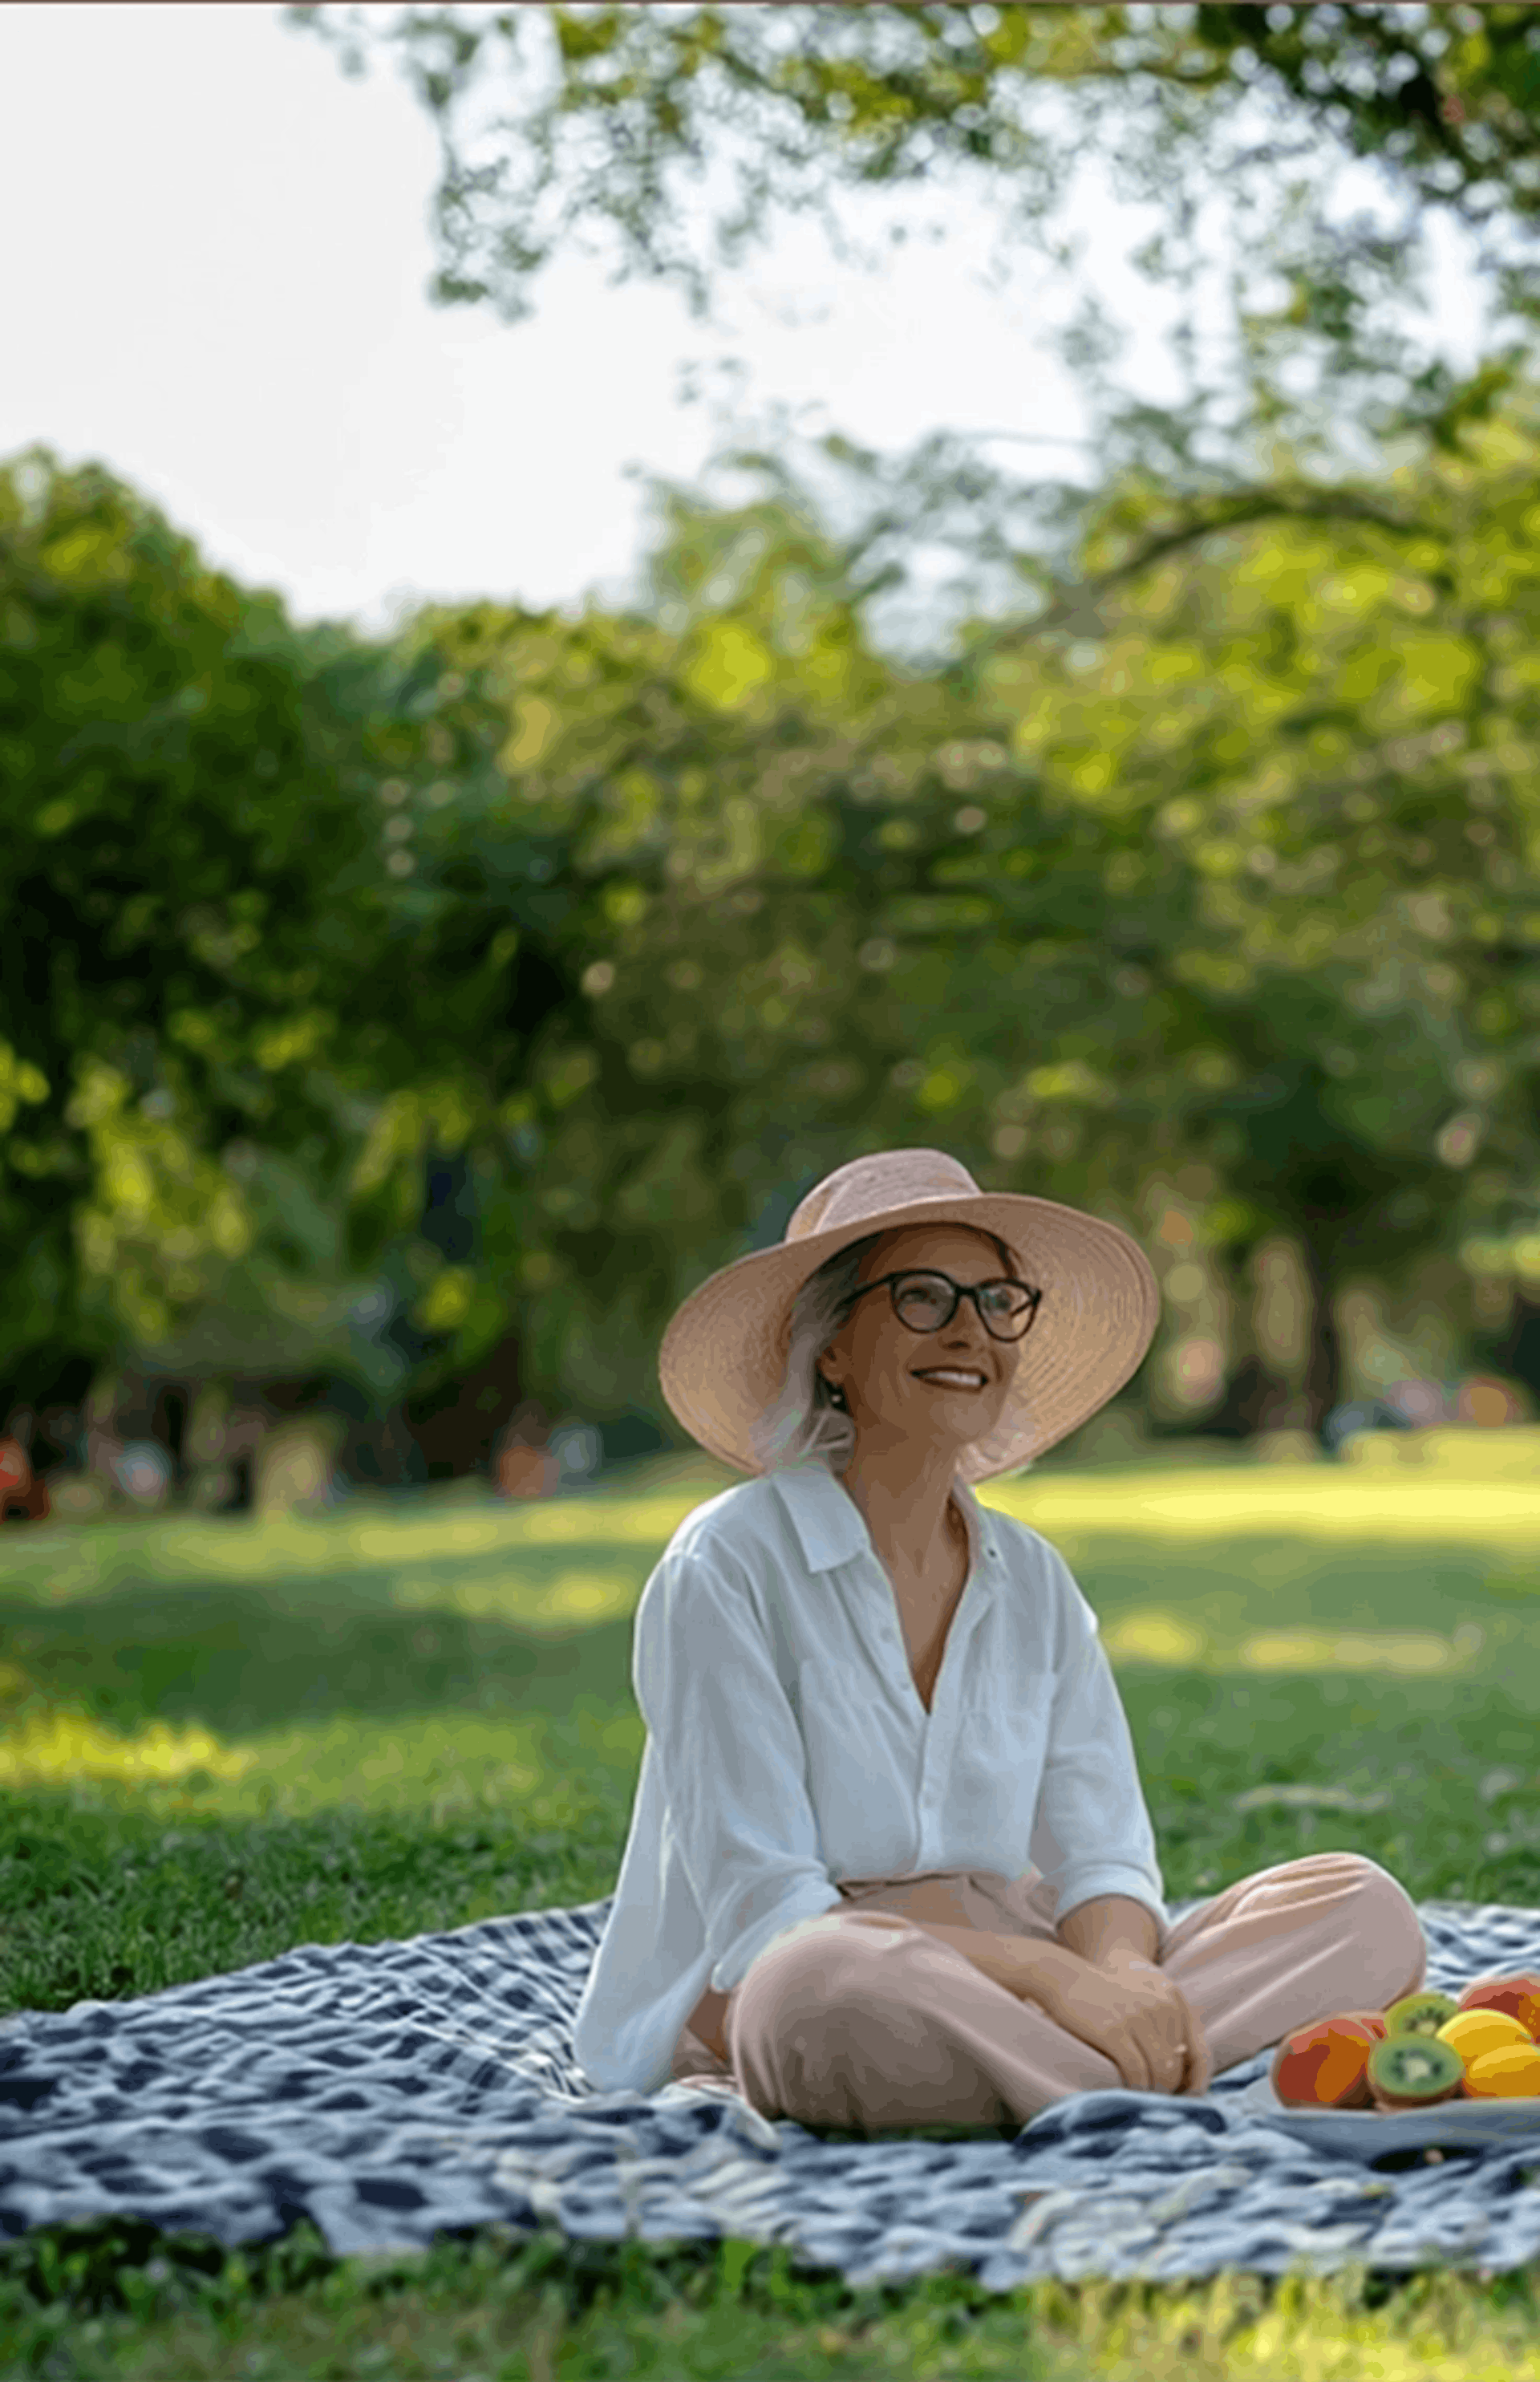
1091, 1838
1107, 1926
730, 1750
1020, 1963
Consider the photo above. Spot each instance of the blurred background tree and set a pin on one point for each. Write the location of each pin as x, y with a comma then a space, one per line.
419, 1020
670, 140
630, 918
188, 875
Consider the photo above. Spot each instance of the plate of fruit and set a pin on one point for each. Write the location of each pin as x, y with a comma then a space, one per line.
1435, 2071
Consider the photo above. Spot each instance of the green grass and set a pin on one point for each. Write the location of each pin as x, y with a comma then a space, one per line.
220, 1738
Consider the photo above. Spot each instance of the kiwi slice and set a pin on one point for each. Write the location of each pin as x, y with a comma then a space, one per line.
1419, 2014
1407, 2071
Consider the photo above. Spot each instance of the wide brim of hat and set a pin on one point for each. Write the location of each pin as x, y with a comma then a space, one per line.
723, 1358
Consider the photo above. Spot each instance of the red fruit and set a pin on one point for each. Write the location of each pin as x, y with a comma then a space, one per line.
1519, 1996
1325, 2066
1373, 2019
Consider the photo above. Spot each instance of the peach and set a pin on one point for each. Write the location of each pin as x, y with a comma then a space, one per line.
1373, 2019
1325, 2066
1518, 1994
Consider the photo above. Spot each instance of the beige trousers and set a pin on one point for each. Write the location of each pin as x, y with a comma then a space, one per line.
872, 2029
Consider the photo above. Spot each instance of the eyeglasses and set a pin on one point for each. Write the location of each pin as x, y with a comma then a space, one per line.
927, 1302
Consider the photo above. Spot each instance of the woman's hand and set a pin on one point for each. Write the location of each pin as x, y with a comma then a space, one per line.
1132, 2012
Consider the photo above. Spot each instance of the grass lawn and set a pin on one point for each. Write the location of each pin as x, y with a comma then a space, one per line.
220, 1738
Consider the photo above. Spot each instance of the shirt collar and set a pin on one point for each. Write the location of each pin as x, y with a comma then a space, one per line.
829, 1525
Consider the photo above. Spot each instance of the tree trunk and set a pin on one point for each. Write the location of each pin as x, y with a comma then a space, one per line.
1256, 1395
1322, 1377
1515, 1349
458, 1425
1255, 1399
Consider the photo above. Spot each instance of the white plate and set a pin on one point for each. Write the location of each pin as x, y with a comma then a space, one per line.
1370, 2133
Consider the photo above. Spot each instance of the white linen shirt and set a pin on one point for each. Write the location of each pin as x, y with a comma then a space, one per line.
788, 1749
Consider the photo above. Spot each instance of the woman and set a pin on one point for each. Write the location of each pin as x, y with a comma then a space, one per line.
889, 1864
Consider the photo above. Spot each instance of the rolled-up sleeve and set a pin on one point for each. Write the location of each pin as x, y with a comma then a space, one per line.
1091, 1834
725, 1737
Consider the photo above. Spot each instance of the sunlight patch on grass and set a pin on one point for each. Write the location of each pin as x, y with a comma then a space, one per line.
71, 1563
1154, 1637
631, 1521
1308, 2327
579, 1521
1511, 1453
573, 1599
1406, 1654
1169, 1640
437, 1763
63, 1562
431, 1762
66, 1562
55, 1749
1309, 2333
1310, 1501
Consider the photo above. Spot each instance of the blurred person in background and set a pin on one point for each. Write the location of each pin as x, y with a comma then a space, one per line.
23, 1494
522, 1462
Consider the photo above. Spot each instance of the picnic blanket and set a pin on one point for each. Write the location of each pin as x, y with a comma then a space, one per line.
389, 2092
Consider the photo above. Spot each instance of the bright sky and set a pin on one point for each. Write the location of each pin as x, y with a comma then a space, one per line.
215, 286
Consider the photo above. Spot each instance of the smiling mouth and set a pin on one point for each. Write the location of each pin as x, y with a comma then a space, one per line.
947, 1377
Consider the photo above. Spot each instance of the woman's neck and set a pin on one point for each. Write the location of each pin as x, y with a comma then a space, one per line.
906, 1518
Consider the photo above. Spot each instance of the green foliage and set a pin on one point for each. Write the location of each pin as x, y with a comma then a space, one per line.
1243, 882
1196, 890
601, 112
190, 879
270, 935
1220, 862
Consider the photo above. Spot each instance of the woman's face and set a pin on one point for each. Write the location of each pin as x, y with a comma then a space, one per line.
880, 1363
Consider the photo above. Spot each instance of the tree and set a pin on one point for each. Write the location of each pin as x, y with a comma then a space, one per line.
800, 103
1225, 858
288, 927
609, 112
1227, 826
1324, 697
188, 870
1254, 841
206, 927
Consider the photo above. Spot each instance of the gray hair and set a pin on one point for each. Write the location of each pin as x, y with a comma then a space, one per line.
803, 1422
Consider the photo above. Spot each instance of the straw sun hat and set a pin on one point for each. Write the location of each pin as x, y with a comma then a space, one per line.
723, 1358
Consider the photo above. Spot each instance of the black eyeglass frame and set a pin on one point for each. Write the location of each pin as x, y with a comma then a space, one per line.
959, 1290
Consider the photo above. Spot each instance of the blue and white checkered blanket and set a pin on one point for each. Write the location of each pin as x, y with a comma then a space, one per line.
391, 2090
